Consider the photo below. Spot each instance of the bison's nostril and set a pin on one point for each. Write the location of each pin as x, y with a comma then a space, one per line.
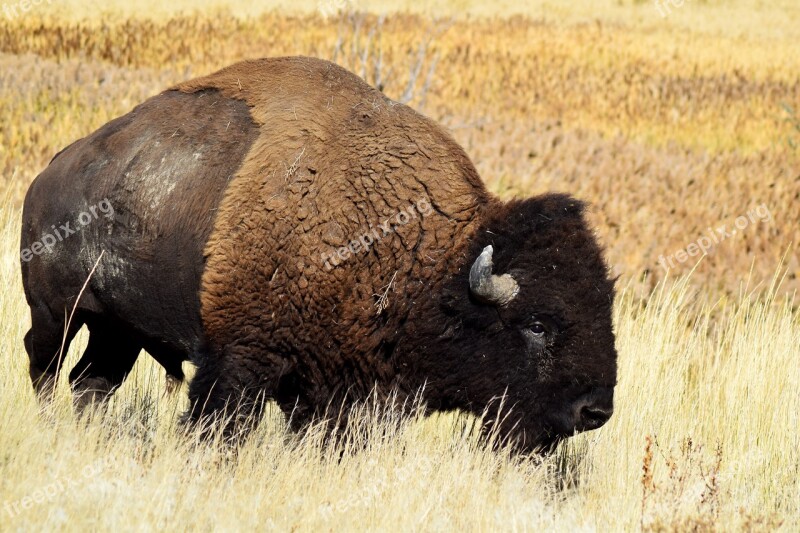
593, 417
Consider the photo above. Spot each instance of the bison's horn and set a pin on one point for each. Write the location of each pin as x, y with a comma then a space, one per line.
488, 288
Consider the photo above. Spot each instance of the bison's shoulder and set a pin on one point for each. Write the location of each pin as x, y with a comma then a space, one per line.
335, 163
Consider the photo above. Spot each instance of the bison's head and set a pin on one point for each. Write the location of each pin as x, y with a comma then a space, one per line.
527, 325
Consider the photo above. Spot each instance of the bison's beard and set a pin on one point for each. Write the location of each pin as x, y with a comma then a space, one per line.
509, 431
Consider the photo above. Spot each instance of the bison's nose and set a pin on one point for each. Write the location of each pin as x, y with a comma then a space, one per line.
593, 409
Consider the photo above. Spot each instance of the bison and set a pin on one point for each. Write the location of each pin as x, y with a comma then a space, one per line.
300, 237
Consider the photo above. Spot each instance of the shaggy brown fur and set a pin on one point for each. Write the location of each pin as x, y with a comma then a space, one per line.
334, 158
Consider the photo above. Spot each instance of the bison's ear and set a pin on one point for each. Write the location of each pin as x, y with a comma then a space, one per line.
487, 287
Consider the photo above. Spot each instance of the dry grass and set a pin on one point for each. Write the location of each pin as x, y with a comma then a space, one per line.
668, 126
729, 386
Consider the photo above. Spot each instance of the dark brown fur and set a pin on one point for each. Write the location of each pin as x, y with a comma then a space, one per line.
327, 159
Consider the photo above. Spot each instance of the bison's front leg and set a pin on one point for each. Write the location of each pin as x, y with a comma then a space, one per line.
229, 391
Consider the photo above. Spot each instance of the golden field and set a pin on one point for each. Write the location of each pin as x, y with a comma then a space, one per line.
670, 126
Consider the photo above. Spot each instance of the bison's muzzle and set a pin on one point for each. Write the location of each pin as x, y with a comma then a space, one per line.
587, 412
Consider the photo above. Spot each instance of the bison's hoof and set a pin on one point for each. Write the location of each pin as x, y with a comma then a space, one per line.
45, 387
172, 385
90, 392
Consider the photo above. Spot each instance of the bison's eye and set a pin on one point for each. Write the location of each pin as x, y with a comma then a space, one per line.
538, 329
539, 333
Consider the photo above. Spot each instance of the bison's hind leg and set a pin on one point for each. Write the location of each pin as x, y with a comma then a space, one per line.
173, 384
108, 359
172, 362
47, 342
